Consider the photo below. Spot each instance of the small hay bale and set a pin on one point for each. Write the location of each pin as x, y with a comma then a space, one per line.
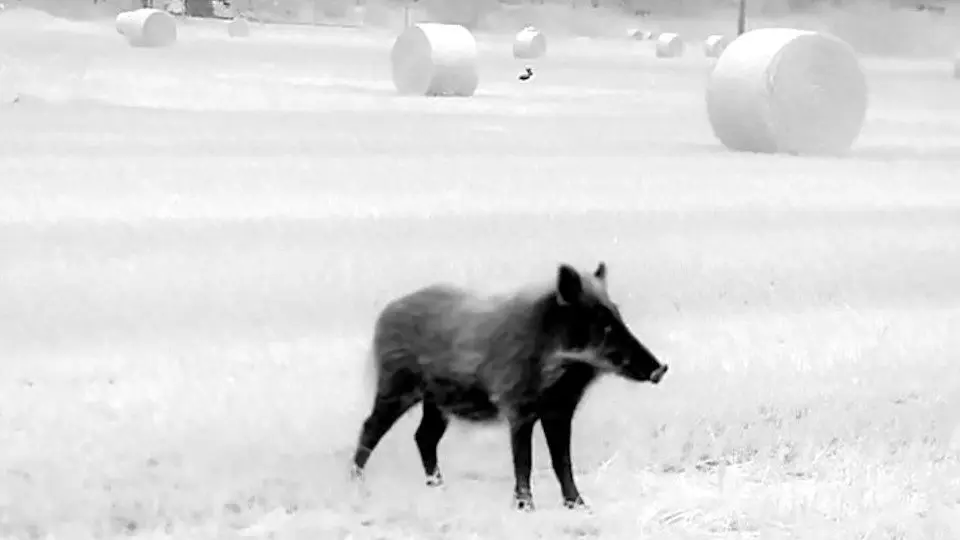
714, 45
238, 27
530, 43
434, 59
781, 90
669, 45
639, 35
147, 27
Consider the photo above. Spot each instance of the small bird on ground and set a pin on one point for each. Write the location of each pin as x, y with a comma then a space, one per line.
527, 74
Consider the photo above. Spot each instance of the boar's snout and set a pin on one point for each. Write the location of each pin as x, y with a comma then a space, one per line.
658, 373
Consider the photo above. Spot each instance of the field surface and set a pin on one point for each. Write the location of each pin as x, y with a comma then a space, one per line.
194, 242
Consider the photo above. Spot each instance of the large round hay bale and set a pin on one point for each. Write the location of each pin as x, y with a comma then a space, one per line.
529, 43
238, 27
434, 59
784, 90
714, 45
147, 27
669, 45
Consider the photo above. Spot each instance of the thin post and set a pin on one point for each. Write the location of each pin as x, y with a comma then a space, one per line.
742, 18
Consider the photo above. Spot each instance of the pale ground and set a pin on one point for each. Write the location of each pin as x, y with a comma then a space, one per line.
187, 288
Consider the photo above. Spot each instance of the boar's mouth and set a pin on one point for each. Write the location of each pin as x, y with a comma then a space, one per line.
658, 374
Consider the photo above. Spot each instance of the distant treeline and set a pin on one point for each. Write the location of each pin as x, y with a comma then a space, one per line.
212, 8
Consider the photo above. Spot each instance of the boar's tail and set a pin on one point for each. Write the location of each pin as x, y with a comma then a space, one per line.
367, 374
371, 371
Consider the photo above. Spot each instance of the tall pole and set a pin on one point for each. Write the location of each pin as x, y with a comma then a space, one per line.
742, 18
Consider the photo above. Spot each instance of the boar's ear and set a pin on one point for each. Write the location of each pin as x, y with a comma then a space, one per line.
601, 271
569, 286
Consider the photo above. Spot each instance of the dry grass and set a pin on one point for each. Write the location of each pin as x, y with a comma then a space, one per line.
187, 287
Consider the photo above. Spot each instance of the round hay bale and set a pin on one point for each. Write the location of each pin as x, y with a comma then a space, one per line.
434, 59
714, 45
529, 43
147, 27
781, 90
238, 27
669, 45
639, 35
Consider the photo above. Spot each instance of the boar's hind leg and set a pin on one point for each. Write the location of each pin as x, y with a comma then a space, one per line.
432, 426
521, 446
396, 394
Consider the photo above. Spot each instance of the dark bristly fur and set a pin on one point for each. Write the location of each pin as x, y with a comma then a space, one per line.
524, 358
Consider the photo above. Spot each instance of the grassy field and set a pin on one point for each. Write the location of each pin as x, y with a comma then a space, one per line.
194, 242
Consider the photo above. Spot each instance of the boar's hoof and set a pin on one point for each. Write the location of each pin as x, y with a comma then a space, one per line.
523, 503
435, 479
356, 474
576, 504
